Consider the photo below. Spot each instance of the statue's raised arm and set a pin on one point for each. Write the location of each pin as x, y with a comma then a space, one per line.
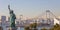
9, 7
10, 11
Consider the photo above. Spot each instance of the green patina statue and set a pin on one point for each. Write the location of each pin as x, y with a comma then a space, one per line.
12, 17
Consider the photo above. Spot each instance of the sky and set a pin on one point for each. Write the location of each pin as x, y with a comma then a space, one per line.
30, 8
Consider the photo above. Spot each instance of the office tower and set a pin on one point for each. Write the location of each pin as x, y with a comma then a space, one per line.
3, 19
9, 19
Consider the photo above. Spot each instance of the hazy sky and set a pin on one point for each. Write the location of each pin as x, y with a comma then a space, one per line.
30, 7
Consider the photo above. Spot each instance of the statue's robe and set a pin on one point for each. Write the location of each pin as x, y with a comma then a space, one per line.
12, 19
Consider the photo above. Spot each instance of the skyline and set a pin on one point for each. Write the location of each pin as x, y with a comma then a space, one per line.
29, 8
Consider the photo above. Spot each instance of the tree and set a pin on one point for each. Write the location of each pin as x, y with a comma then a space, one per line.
56, 27
1, 28
27, 28
34, 26
31, 27
43, 29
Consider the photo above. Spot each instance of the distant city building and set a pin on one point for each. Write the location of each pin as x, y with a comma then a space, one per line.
8, 18
17, 22
0, 22
21, 17
3, 19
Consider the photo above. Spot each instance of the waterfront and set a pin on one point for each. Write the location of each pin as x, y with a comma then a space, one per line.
22, 28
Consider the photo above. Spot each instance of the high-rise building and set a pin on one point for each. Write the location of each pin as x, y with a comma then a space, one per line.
3, 19
0, 22
21, 17
8, 18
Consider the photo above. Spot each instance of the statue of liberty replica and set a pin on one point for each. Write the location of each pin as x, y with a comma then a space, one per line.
12, 19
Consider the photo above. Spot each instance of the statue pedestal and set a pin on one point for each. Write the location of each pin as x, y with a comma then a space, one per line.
12, 28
